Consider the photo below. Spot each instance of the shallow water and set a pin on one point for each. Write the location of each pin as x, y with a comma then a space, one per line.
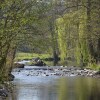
55, 88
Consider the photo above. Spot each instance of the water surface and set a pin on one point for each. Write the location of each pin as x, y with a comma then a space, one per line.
55, 88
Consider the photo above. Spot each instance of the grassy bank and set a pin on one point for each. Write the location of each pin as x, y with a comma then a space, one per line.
21, 56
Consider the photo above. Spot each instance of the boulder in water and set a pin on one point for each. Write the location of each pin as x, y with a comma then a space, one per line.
18, 65
38, 62
97, 73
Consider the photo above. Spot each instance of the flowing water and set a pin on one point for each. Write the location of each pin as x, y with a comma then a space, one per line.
55, 88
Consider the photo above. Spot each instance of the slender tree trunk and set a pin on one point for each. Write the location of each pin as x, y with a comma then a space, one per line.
54, 42
91, 44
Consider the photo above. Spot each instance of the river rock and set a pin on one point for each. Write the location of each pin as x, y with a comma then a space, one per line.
96, 74
3, 91
18, 65
38, 62
11, 77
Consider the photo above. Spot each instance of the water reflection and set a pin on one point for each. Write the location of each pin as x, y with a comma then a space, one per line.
35, 91
79, 89
68, 88
87, 89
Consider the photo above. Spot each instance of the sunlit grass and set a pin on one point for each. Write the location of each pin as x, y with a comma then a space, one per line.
21, 56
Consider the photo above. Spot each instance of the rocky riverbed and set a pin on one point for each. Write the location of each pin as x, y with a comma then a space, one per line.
55, 71
22, 68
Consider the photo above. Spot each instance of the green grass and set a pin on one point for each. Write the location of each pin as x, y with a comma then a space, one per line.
21, 56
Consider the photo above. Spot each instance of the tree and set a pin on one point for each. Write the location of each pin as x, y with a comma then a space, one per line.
12, 23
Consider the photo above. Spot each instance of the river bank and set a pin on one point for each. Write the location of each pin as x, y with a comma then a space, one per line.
6, 89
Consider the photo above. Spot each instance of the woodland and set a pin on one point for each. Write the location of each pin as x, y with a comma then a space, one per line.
66, 29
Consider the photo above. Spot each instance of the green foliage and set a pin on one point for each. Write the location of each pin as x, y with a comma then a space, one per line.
62, 38
70, 29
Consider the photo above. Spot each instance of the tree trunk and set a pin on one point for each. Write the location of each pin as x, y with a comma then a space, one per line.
9, 61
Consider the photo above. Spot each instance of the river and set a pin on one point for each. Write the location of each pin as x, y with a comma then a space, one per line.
28, 87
